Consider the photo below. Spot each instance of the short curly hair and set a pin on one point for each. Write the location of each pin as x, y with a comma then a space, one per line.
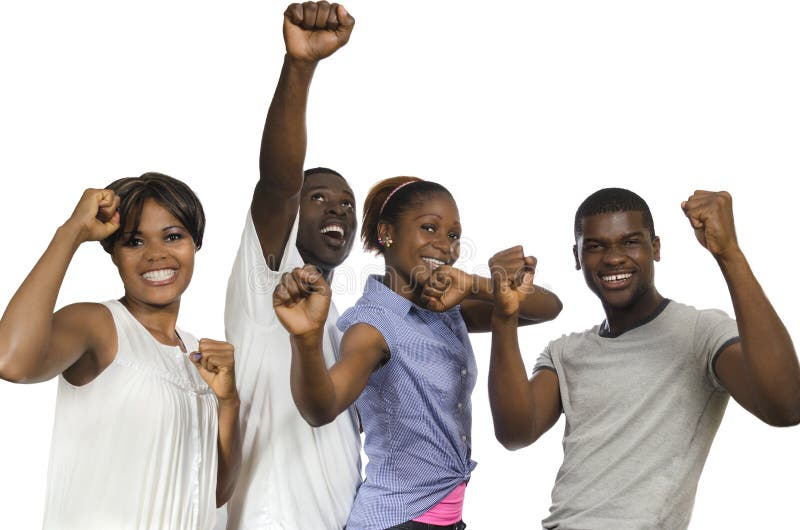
610, 200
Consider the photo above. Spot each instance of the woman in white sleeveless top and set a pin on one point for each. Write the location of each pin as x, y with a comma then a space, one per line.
146, 429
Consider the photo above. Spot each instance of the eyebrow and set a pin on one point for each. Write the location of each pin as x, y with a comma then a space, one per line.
326, 188
166, 228
457, 223
638, 233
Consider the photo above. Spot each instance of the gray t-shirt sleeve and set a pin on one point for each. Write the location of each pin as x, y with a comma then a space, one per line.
545, 360
714, 332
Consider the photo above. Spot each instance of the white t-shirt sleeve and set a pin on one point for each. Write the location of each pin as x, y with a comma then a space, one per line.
252, 282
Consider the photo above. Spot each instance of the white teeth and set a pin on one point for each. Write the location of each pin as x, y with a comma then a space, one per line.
159, 275
616, 277
333, 228
434, 261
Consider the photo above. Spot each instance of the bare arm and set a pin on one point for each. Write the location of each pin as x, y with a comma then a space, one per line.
522, 410
762, 371
312, 31
301, 303
35, 344
448, 287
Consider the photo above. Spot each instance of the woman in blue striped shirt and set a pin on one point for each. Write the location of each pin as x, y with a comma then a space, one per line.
405, 357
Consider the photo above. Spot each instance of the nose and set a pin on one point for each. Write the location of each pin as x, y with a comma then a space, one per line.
336, 208
156, 251
447, 246
614, 255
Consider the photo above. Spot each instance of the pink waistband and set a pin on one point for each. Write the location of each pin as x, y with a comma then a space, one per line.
448, 511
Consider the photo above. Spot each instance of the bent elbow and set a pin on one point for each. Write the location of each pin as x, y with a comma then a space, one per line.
558, 307
513, 442
788, 416
10, 371
317, 419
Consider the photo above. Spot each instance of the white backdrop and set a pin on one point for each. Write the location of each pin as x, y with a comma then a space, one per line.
521, 109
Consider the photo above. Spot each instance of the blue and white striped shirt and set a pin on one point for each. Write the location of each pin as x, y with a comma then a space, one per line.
415, 409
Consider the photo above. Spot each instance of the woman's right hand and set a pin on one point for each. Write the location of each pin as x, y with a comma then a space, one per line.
302, 300
96, 216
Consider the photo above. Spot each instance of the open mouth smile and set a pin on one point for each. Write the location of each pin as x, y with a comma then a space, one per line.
160, 276
334, 234
615, 280
434, 261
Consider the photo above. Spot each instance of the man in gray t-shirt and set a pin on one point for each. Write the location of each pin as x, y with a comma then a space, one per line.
643, 393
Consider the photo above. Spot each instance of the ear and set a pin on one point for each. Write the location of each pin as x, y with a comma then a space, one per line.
575, 253
114, 258
385, 231
656, 248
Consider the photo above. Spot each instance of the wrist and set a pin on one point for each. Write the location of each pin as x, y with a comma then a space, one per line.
504, 318
731, 259
481, 288
301, 66
309, 341
73, 232
229, 402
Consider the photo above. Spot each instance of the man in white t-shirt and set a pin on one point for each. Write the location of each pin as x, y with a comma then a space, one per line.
644, 392
294, 476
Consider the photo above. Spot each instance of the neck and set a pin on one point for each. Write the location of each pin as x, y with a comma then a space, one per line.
158, 320
401, 286
620, 319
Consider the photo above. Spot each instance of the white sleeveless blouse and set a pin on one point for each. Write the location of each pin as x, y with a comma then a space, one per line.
136, 448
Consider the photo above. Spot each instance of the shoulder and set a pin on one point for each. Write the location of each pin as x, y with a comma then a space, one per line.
91, 329
572, 341
87, 316
364, 311
701, 317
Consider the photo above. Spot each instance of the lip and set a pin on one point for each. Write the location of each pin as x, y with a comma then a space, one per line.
338, 227
615, 280
434, 262
171, 276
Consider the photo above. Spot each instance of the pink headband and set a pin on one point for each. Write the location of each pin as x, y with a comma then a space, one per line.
398, 188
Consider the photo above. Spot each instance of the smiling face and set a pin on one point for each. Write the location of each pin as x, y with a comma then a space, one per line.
327, 221
425, 236
156, 261
617, 253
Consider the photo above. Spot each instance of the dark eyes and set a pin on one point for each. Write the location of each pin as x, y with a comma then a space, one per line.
432, 229
138, 241
318, 197
590, 247
134, 242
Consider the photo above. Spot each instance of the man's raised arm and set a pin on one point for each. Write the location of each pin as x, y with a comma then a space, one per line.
761, 372
311, 31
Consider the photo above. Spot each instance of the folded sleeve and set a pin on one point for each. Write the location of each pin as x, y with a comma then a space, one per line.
714, 332
374, 315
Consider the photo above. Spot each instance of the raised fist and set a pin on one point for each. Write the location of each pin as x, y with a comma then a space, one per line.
446, 288
711, 216
512, 279
96, 214
302, 300
315, 30
214, 361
